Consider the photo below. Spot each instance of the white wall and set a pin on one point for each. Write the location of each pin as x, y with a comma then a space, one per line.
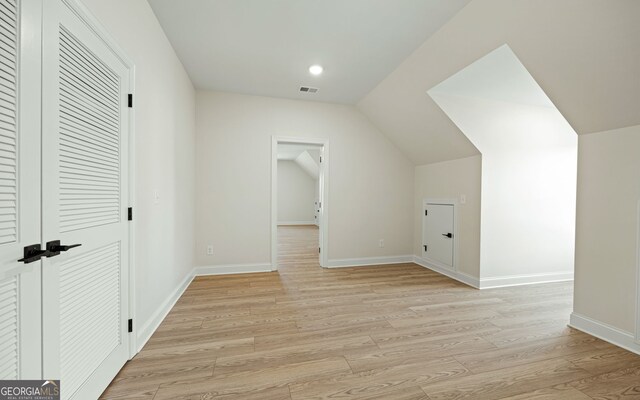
165, 155
607, 227
450, 180
296, 194
529, 162
370, 181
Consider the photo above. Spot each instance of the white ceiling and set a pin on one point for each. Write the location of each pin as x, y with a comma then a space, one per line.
265, 47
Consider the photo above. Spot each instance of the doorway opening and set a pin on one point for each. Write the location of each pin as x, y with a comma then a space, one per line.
298, 202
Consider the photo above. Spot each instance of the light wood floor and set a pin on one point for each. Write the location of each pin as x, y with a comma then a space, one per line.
388, 332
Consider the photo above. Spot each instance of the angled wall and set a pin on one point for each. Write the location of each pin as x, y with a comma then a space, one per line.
529, 161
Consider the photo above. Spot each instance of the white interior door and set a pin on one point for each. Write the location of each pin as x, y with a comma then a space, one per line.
438, 234
84, 195
20, 330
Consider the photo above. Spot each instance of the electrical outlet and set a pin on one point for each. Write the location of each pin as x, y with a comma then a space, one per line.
381, 243
156, 196
463, 199
210, 250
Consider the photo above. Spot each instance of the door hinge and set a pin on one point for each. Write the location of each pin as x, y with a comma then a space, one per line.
426, 212
130, 328
320, 158
130, 214
425, 247
130, 100
319, 250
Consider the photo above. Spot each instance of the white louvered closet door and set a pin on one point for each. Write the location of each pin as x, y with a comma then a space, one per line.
20, 312
84, 194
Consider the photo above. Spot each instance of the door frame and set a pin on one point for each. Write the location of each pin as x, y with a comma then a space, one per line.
323, 179
637, 335
447, 202
28, 135
85, 15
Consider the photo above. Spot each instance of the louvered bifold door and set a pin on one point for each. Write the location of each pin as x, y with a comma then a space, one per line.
85, 139
20, 312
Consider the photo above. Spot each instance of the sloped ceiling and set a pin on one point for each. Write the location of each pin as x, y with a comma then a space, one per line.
308, 165
585, 54
265, 47
306, 156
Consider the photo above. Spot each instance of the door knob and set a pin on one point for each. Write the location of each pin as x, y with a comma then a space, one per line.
449, 235
54, 248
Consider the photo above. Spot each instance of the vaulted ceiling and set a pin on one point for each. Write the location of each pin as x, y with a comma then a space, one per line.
384, 55
585, 54
265, 47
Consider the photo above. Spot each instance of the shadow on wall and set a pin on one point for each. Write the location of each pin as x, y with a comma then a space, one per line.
529, 169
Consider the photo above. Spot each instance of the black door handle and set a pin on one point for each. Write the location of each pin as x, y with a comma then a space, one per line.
449, 235
33, 253
54, 248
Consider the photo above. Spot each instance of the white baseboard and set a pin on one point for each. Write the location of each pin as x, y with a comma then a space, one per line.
146, 330
531, 279
232, 269
606, 332
457, 275
369, 261
297, 223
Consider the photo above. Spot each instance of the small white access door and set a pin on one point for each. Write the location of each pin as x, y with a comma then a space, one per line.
438, 233
20, 301
84, 196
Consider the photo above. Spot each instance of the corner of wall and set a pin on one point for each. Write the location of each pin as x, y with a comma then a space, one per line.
457, 275
604, 331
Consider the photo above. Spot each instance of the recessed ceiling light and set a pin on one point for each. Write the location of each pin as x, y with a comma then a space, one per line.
315, 69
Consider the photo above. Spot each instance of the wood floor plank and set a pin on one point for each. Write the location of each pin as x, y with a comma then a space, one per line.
507, 357
379, 382
126, 381
416, 355
416, 336
606, 360
393, 332
550, 394
510, 337
198, 350
505, 382
265, 359
252, 381
622, 384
